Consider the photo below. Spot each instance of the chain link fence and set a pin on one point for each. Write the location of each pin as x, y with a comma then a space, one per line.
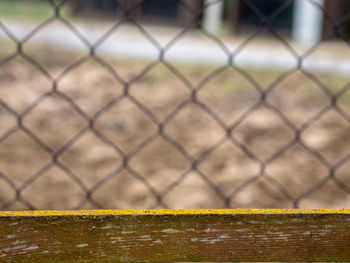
106, 132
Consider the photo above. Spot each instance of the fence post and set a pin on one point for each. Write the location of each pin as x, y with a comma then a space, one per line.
212, 17
307, 21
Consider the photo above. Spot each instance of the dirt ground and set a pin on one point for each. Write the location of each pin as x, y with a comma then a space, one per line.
92, 161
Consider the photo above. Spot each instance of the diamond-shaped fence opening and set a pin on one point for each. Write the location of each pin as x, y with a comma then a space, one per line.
331, 129
128, 104
228, 167
323, 56
162, 152
20, 163
8, 47
257, 129
62, 55
90, 86
122, 124
299, 175
45, 119
229, 95
90, 159
22, 84
8, 121
249, 195
128, 42
295, 90
136, 192
196, 43
59, 183
160, 91
198, 121
253, 56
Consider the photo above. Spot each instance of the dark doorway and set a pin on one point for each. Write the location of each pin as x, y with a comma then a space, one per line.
161, 8
95, 7
249, 18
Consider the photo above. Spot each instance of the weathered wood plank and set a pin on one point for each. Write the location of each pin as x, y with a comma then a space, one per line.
175, 235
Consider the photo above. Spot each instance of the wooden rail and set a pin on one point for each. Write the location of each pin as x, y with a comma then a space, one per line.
175, 235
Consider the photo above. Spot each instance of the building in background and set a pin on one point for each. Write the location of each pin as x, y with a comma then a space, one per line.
303, 20
242, 17
168, 12
336, 10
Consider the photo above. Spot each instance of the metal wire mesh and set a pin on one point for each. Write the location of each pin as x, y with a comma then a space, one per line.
128, 10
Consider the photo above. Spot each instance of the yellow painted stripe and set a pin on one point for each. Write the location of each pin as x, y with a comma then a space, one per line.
171, 212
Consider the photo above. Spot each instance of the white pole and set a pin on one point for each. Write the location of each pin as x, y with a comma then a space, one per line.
212, 17
307, 21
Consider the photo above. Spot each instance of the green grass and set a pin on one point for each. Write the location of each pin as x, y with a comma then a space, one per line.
30, 9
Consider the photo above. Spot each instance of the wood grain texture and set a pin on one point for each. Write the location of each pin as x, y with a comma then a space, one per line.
175, 235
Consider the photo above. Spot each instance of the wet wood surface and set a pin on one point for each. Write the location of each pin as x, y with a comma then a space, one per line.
175, 235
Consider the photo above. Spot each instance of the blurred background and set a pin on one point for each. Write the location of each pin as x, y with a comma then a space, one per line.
174, 104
